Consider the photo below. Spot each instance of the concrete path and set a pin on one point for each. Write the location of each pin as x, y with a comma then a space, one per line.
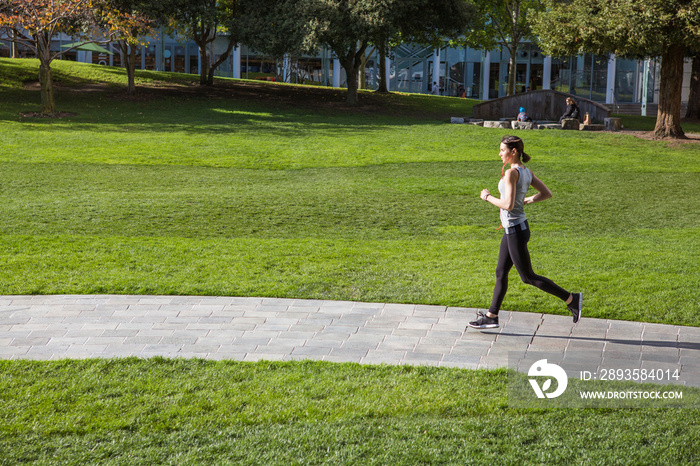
252, 329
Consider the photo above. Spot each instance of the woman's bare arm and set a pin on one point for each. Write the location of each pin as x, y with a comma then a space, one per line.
507, 200
543, 192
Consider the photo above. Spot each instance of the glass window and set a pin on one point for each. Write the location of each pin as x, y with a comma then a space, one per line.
150, 53
599, 78
561, 74
179, 59
456, 79
624, 80
194, 59
474, 82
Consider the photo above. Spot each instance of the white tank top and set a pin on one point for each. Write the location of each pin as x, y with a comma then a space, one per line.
517, 215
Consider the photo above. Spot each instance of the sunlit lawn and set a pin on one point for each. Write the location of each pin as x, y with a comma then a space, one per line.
197, 412
215, 196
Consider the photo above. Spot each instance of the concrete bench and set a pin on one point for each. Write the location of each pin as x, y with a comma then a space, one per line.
497, 124
591, 127
612, 124
570, 123
523, 125
468, 121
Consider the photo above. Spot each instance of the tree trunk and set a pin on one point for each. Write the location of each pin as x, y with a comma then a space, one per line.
694, 96
363, 73
383, 78
351, 60
668, 121
204, 64
512, 70
129, 55
351, 71
131, 70
48, 106
15, 51
222, 58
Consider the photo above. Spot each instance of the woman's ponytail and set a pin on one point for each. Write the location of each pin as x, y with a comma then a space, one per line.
514, 142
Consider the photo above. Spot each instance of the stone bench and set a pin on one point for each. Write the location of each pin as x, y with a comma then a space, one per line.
497, 124
612, 124
570, 123
591, 127
523, 125
468, 121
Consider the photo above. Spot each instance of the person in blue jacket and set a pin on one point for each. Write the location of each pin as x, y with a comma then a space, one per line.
523, 116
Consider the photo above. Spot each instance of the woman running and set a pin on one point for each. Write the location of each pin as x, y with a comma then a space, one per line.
513, 186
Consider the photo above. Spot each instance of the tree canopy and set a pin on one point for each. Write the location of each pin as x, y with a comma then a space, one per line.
203, 21
506, 23
273, 27
347, 27
35, 24
136, 19
669, 29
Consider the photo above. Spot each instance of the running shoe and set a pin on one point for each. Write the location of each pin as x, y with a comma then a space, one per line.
483, 321
575, 306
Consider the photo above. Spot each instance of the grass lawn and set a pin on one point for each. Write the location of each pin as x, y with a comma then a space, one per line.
257, 189
183, 192
195, 412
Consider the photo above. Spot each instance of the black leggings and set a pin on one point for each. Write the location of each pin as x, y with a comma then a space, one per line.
514, 252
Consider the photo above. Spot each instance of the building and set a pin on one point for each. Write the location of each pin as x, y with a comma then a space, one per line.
459, 71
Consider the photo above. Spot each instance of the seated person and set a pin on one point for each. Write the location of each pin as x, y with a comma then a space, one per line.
522, 116
571, 110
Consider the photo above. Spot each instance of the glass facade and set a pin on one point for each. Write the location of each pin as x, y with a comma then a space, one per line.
625, 78
411, 69
585, 76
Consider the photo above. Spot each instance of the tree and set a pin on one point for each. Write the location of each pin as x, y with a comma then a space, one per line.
273, 28
135, 19
344, 26
203, 21
419, 21
629, 28
349, 26
286, 26
506, 23
35, 23
694, 95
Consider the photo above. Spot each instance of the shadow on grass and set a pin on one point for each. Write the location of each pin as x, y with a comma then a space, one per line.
196, 114
98, 93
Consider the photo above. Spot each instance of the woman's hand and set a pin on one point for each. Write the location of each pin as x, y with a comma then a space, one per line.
485, 194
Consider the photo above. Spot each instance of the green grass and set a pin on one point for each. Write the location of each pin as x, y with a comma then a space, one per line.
647, 123
203, 194
15, 73
208, 194
195, 412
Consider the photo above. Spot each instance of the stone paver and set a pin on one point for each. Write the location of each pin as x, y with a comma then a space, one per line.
254, 329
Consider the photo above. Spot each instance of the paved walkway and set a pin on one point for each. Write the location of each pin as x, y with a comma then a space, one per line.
252, 329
